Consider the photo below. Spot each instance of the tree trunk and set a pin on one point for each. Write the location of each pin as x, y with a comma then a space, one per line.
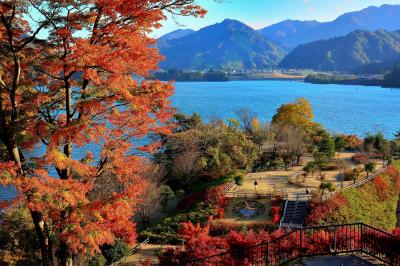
44, 239
40, 226
65, 256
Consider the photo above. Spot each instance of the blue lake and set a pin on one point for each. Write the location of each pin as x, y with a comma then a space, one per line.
340, 108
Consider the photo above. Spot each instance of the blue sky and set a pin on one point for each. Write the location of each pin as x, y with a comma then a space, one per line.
261, 13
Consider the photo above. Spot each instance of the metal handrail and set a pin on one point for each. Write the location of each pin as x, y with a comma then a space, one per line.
357, 184
348, 238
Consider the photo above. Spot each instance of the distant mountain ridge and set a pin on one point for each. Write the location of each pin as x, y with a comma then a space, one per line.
347, 53
230, 44
176, 34
291, 33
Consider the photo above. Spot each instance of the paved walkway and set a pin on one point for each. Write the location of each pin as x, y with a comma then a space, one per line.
339, 261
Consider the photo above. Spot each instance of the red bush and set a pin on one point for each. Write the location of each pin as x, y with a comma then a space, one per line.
394, 175
276, 209
359, 158
318, 210
382, 188
222, 228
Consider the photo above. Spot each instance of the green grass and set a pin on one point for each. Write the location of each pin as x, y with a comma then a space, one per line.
216, 182
365, 206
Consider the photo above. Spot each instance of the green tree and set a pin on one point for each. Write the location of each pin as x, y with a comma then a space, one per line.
310, 168
327, 186
116, 252
167, 194
340, 144
327, 146
369, 167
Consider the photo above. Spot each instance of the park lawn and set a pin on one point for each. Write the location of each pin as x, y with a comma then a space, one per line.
365, 206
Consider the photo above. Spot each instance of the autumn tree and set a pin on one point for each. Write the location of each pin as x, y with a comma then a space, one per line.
246, 118
74, 88
299, 113
289, 142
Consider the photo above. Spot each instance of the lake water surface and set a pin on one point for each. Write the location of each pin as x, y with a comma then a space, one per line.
340, 108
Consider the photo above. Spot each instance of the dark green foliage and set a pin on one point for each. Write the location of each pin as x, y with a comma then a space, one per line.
327, 186
166, 230
197, 153
18, 236
346, 53
310, 168
392, 79
167, 194
323, 78
369, 167
340, 143
180, 75
116, 252
326, 145
227, 45
97, 260
239, 178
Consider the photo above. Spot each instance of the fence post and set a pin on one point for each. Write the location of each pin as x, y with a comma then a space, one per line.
301, 243
361, 238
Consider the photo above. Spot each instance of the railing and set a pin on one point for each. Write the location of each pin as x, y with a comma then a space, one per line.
140, 245
356, 184
313, 241
281, 224
134, 250
234, 194
229, 186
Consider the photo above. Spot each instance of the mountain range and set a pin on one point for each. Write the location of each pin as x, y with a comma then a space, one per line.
348, 53
229, 44
362, 37
291, 33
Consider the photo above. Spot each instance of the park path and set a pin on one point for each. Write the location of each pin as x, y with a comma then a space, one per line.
291, 182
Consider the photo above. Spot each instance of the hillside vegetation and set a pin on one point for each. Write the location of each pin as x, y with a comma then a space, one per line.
347, 53
229, 44
374, 203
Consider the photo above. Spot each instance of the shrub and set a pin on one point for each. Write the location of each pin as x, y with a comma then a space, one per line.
222, 228
373, 203
382, 188
18, 240
329, 167
369, 167
276, 209
359, 158
319, 211
97, 260
116, 252
352, 174
239, 179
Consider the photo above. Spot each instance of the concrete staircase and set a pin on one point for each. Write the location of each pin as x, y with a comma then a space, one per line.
294, 214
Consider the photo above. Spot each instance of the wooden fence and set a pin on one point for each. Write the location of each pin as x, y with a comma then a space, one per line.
356, 184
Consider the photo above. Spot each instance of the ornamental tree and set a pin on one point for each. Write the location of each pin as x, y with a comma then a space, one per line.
78, 86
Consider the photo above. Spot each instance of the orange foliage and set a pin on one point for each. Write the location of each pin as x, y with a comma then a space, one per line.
88, 93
